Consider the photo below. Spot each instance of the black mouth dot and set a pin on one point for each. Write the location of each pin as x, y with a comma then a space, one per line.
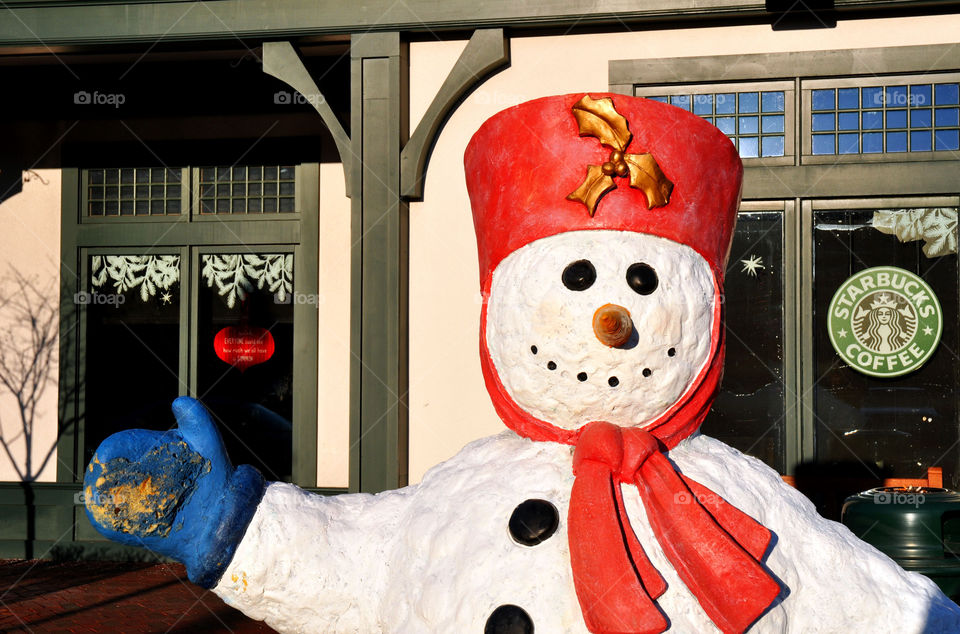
551, 366
533, 349
582, 377
672, 352
647, 372
613, 381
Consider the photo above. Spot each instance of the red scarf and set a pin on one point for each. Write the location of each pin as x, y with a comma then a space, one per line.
714, 547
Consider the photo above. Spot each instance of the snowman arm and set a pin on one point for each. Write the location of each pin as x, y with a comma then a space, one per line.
314, 563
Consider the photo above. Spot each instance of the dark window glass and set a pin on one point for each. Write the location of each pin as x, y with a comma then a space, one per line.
253, 406
882, 427
748, 413
132, 352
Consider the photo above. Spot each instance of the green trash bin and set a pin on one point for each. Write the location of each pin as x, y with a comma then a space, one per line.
918, 527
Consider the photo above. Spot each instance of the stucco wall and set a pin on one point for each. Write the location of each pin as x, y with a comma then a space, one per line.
29, 248
448, 402
333, 338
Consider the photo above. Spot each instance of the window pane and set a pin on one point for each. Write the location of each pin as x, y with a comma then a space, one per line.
748, 102
920, 118
703, 104
920, 141
772, 101
727, 125
848, 143
872, 142
872, 97
947, 94
896, 118
823, 122
823, 144
882, 427
848, 99
133, 345
947, 117
748, 412
250, 394
848, 121
823, 99
749, 147
896, 141
748, 125
947, 140
872, 120
680, 101
772, 123
726, 103
920, 95
771, 146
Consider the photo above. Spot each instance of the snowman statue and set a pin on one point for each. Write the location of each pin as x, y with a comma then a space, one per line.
603, 227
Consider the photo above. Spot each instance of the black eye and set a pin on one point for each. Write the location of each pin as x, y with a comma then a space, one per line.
642, 278
579, 275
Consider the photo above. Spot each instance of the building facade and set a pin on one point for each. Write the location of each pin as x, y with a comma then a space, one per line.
195, 171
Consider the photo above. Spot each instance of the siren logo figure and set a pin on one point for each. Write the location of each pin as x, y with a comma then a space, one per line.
885, 321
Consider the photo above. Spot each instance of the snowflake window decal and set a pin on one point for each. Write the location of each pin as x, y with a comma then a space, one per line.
234, 275
936, 226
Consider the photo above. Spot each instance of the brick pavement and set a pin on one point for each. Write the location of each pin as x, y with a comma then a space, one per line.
87, 596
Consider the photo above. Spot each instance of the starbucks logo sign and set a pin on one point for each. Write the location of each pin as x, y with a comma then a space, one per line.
885, 321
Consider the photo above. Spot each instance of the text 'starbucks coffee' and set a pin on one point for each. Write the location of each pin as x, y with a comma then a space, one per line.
885, 321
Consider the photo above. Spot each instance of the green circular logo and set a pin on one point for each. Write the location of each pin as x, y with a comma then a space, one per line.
885, 321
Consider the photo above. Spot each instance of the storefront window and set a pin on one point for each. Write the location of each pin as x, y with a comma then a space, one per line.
132, 345
886, 425
245, 355
749, 411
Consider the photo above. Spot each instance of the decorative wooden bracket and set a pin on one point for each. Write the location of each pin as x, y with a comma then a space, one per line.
486, 53
282, 61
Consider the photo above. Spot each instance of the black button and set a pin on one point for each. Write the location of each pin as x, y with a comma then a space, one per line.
533, 522
509, 619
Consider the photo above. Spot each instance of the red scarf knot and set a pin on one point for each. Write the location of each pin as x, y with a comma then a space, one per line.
714, 548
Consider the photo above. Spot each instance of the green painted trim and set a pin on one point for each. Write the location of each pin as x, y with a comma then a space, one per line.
90, 22
487, 53
379, 115
281, 60
68, 381
806, 430
305, 328
792, 254
225, 232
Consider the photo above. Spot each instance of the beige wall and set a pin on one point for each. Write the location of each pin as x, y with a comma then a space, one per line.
30, 246
333, 338
448, 402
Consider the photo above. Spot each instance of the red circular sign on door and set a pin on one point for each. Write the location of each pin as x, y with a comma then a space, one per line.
243, 346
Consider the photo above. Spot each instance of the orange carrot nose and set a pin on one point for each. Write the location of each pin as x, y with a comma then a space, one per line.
612, 325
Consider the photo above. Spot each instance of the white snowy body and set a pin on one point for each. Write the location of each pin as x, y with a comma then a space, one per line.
438, 556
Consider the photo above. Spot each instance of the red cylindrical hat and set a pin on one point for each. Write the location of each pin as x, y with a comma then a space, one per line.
525, 164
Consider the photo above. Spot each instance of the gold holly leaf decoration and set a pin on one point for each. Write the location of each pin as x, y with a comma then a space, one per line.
646, 176
598, 118
593, 188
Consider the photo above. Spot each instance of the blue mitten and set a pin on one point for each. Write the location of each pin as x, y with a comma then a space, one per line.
174, 492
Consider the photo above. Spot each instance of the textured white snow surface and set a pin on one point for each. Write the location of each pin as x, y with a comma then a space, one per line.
438, 557
529, 306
